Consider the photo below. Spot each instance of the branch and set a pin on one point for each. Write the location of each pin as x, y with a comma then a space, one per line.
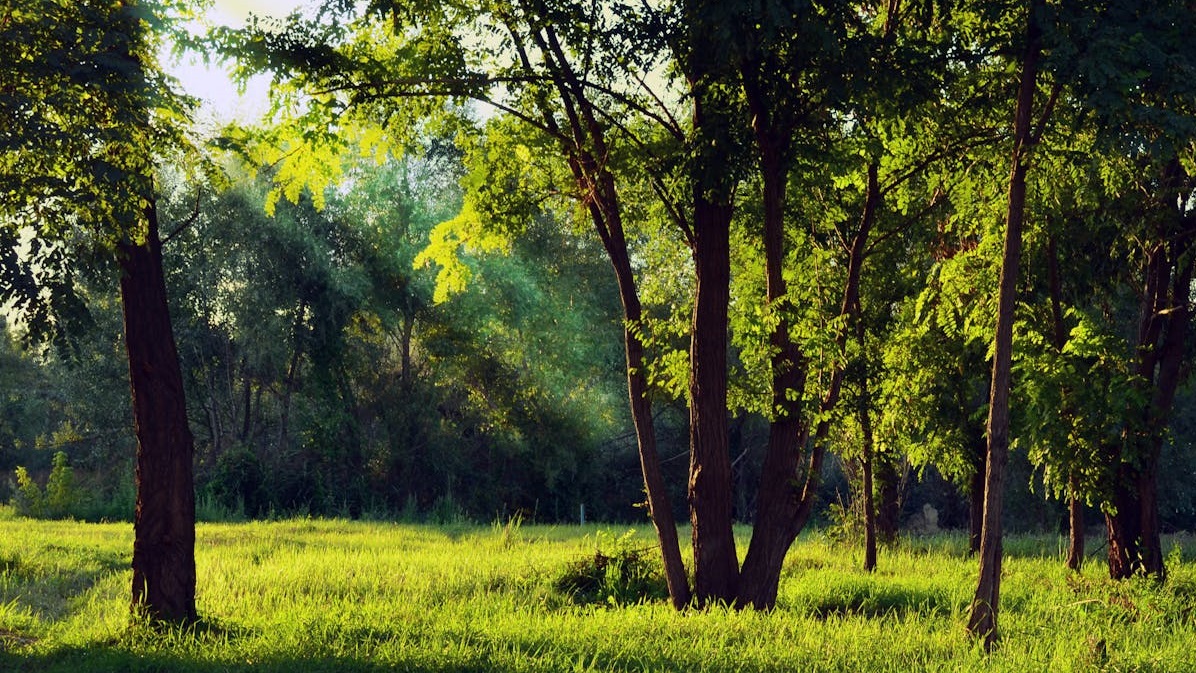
190, 220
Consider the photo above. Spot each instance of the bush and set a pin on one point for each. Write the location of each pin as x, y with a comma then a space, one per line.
625, 575
62, 494
61, 498
28, 500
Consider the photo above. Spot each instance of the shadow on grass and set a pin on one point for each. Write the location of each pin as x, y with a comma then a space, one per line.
878, 601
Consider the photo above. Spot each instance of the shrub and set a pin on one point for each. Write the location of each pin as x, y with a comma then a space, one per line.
62, 494
28, 499
625, 574
61, 498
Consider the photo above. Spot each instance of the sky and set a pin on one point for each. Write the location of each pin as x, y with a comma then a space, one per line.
221, 102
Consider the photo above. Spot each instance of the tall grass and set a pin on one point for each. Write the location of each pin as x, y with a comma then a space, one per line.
319, 595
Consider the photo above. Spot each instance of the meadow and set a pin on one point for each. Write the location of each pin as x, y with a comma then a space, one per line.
334, 595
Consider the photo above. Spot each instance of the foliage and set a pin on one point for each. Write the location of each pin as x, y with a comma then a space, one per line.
621, 572
60, 498
28, 500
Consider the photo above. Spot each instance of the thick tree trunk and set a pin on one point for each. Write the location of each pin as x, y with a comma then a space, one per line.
985, 606
164, 521
1123, 527
716, 565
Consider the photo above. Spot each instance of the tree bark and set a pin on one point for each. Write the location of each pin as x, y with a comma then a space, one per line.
164, 521
716, 565
888, 487
1075, 527
976, 500
865, 414
985, 606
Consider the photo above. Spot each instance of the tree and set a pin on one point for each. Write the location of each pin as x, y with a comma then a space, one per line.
982, 621
85, 107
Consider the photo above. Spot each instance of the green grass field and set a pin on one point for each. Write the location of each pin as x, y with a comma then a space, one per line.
314, 595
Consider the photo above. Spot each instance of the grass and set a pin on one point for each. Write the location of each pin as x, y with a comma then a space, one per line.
318, 595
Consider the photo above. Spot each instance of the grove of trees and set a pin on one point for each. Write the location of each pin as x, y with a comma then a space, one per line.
794, 239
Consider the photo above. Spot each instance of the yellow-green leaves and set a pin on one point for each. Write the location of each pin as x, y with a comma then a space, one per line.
465, 233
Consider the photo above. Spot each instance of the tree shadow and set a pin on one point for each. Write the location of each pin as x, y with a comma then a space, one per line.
881, 601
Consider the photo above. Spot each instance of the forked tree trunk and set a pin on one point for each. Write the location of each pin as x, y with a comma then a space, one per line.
1135, 544
164, 521
985, 606
778, 494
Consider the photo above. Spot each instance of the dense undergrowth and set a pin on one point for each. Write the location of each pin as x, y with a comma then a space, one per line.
332, 595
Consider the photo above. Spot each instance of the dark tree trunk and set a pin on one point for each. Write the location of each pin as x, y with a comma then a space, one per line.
1123, 527
869, 502
1135, 544
164, 521
976, 502
985, 606
1075, 532
778, 495
716, 566
888, 486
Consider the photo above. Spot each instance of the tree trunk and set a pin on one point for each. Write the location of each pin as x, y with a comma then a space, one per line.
778, 494
985, 606
869, 502
976, 503
1122, 527
164, 521
1135, 543
1075, 532
659, 507
888, 487
716, 565
586, 152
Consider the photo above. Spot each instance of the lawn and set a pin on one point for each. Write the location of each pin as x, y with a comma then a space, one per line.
329, 595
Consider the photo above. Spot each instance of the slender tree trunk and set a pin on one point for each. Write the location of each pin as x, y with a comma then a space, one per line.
583, 143
985, 606
1075, 526
659, 508
976, 501
164, 521
865, 414
1075, 506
